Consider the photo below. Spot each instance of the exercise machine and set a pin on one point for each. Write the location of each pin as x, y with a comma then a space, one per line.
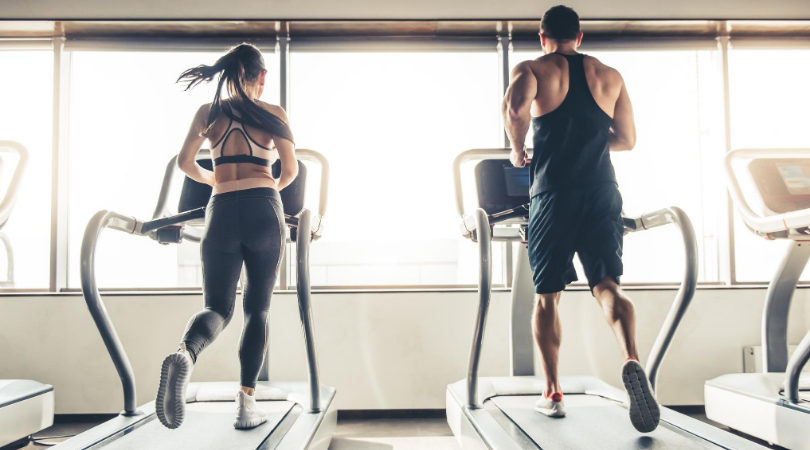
300, 414
26, 406
497, 413
10, 199
771, 190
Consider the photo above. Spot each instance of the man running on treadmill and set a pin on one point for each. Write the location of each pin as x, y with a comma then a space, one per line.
579, 110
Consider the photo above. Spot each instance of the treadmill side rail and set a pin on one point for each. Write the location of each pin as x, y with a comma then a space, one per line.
484, 293
685, 293
777, 306
305, 310
100, 221
794, 369
10, 198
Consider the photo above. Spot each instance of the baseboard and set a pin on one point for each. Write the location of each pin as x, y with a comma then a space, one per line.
357, 414
688, 409
82, 418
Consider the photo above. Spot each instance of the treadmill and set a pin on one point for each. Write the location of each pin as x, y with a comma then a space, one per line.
26, 406
497, 413
9, 200
300, 414
771, 190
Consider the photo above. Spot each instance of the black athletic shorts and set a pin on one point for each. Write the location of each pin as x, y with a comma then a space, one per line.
586, 220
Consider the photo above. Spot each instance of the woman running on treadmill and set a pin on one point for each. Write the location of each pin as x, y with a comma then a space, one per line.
244, 223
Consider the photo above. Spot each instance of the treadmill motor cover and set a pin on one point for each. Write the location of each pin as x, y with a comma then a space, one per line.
26, 407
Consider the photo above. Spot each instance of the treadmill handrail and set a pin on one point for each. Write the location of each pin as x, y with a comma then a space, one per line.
162, 207
484, 295
794, 369
302, 287
194, 234
109, 219
680, 304
9, 200
686, 291
101, 220
323, 193
476, 154
757, 222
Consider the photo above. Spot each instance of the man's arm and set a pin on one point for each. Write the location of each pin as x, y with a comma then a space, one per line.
623, 133
516, 110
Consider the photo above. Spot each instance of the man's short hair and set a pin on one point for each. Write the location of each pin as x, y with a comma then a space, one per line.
560, 23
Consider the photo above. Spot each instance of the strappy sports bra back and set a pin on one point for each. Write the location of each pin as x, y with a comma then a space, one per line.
260, 155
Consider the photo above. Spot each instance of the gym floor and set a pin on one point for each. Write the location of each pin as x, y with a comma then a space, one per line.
354, 432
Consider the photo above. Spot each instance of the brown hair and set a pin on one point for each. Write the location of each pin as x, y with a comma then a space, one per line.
242, 64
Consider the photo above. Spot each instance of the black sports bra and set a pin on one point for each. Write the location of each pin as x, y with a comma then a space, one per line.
262, 155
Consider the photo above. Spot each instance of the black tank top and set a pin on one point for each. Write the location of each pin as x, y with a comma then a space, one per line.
571, 145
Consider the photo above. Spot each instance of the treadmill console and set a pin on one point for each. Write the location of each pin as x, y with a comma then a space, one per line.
783, 184
501, 186
196, 195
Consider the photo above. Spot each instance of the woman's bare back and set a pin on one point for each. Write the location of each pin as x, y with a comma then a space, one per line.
228, 137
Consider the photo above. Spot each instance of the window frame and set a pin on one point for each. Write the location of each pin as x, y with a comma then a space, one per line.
41, 44
62, 48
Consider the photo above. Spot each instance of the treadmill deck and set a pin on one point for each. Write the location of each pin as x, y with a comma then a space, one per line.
590, 420
208, 425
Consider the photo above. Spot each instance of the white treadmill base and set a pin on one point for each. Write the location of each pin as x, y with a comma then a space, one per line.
763, 419
26, 417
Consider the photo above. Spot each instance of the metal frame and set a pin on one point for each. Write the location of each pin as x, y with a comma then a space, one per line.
521, 346
159, 44
9, 200
59, 210
60, 163
789, 226
108, 219
632, 44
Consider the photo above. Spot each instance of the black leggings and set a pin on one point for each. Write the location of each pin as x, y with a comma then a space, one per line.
240, 226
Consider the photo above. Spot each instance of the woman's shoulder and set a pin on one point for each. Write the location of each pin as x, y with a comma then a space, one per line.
274, 109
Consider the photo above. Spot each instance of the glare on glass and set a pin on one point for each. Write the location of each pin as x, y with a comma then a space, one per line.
26, 117
125, 126
776, 117
391, 125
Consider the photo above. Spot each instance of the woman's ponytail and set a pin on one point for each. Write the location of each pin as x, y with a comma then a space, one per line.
241, 65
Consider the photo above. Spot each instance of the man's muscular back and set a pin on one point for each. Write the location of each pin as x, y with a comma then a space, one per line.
547, 77
551, 72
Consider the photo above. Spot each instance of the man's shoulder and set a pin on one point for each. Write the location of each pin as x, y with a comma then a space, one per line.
602, 70
541, 65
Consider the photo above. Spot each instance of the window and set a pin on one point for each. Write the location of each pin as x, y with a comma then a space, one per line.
774, 116
391, 125
128, 118
677, 102
27, 117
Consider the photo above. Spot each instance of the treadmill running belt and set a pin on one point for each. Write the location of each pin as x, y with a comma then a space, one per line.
207, 425
591, 422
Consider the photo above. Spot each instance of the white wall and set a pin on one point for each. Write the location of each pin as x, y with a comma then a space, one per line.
381, 350
396, 9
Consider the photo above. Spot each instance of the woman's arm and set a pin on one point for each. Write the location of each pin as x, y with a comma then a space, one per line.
289, 165
187, 159
286, 152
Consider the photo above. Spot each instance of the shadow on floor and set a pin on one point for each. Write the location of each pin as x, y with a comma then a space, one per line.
354, 444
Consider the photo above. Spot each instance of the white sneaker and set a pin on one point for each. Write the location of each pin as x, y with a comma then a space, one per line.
644, 411
248, 415
553, 406
170, 405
